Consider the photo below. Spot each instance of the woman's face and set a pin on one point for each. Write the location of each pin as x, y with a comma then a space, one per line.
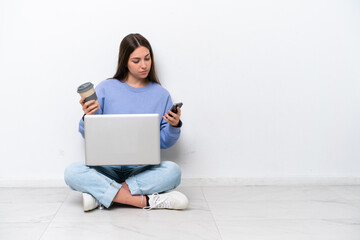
139, 63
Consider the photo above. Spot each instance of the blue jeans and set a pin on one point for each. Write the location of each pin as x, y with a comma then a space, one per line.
103, 182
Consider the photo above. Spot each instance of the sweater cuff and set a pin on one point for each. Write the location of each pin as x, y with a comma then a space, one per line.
179, 124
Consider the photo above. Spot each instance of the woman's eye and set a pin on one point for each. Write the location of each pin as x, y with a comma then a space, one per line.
135, 61
147, 59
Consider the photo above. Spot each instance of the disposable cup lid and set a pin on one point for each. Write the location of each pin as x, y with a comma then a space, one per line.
85, 87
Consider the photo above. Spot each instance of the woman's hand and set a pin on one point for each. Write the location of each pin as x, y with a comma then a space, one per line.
173, 118
90, 107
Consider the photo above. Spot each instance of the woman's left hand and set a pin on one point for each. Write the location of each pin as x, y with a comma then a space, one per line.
173, 118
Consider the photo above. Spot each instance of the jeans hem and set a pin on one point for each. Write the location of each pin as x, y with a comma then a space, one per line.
110, 194
133, 186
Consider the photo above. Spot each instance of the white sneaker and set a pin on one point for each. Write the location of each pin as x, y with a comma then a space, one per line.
89, 202
170, 200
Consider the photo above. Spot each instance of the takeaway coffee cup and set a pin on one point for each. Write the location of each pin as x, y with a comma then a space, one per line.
87, 90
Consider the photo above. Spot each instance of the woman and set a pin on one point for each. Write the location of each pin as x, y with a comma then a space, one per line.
134, 89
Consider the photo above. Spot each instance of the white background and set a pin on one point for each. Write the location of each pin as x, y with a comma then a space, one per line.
270, 88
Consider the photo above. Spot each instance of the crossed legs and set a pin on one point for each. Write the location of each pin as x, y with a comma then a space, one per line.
140, 181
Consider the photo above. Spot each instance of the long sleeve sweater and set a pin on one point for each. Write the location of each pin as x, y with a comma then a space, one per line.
117, 97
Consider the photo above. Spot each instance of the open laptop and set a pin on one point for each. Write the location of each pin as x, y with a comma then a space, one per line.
122, 139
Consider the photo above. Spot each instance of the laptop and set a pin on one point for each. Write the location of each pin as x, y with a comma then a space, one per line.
122, 139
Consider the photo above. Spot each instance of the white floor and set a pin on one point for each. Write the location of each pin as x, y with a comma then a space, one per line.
237, 212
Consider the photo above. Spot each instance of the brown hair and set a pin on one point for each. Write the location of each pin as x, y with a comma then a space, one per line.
127, 46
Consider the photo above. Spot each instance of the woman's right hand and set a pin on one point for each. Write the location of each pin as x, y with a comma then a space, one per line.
90, 107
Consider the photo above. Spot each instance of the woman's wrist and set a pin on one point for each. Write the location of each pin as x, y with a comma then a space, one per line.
178, 125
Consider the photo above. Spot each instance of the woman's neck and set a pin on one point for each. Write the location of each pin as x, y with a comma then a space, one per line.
135, 82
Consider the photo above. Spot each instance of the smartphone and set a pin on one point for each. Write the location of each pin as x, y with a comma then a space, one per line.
174, 107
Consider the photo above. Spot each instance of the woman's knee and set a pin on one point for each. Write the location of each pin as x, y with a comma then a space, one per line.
174, 172
72, 171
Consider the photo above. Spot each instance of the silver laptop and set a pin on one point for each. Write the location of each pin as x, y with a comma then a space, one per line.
122, 139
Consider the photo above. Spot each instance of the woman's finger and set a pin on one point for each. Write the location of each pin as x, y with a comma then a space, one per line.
171, 120
172, 115
164, 117
92, 107
94, 110
88, 103
82, 101
179, 111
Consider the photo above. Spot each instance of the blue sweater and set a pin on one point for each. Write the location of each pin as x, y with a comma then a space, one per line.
117, 97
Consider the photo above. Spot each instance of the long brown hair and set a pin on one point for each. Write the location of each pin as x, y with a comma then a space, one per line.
127, 46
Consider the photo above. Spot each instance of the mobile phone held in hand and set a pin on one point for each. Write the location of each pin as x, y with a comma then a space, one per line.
174, 107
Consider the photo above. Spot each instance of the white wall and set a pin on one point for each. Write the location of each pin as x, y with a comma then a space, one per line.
270, 88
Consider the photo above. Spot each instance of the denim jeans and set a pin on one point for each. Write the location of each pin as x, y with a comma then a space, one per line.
103, 182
